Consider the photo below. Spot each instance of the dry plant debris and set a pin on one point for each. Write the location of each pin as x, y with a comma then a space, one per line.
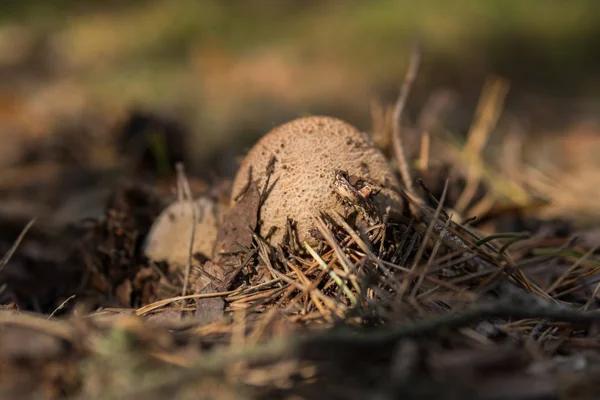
350, 297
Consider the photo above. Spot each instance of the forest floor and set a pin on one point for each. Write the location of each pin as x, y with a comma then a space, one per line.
492, 296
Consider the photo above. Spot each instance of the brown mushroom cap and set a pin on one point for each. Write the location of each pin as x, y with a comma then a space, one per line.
307, 151
170, 235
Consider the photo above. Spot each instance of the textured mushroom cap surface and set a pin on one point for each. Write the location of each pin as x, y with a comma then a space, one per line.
170, 235
307, 151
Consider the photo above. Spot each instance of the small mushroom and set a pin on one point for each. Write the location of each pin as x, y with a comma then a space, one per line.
307, 153
170, 235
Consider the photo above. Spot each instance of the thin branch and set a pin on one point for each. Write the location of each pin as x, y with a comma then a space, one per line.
161, 303
61, 306
423, 245
16, 244
332, 274
275, 349
184, 187
403, 164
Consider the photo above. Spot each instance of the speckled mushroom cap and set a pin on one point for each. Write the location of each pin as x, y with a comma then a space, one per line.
307, 151
170, 235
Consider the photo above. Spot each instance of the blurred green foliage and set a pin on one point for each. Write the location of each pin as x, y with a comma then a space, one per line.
183, 54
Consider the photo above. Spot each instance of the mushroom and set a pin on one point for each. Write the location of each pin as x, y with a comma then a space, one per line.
308, 155
170, 235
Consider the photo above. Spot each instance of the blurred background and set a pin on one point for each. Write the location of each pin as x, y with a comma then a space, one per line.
94, 91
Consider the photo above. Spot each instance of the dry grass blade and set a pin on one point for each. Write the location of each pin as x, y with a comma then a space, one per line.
161, 303
184, 192
339, 308
332, 274
431, 226
61, 306
571, 269
486, 116
364, 247
310, 284
15, 245
432, 256
593, 297
343, 259
403, 164
423, 246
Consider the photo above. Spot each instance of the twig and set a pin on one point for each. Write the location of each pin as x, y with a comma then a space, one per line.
421, 249
338, 307
432, 256
339, 219
403, 165
332, 274
277, 349
487, 115
61, 306
16, 244
556, 284
343, 259
184, 186
161, 303
527, 306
